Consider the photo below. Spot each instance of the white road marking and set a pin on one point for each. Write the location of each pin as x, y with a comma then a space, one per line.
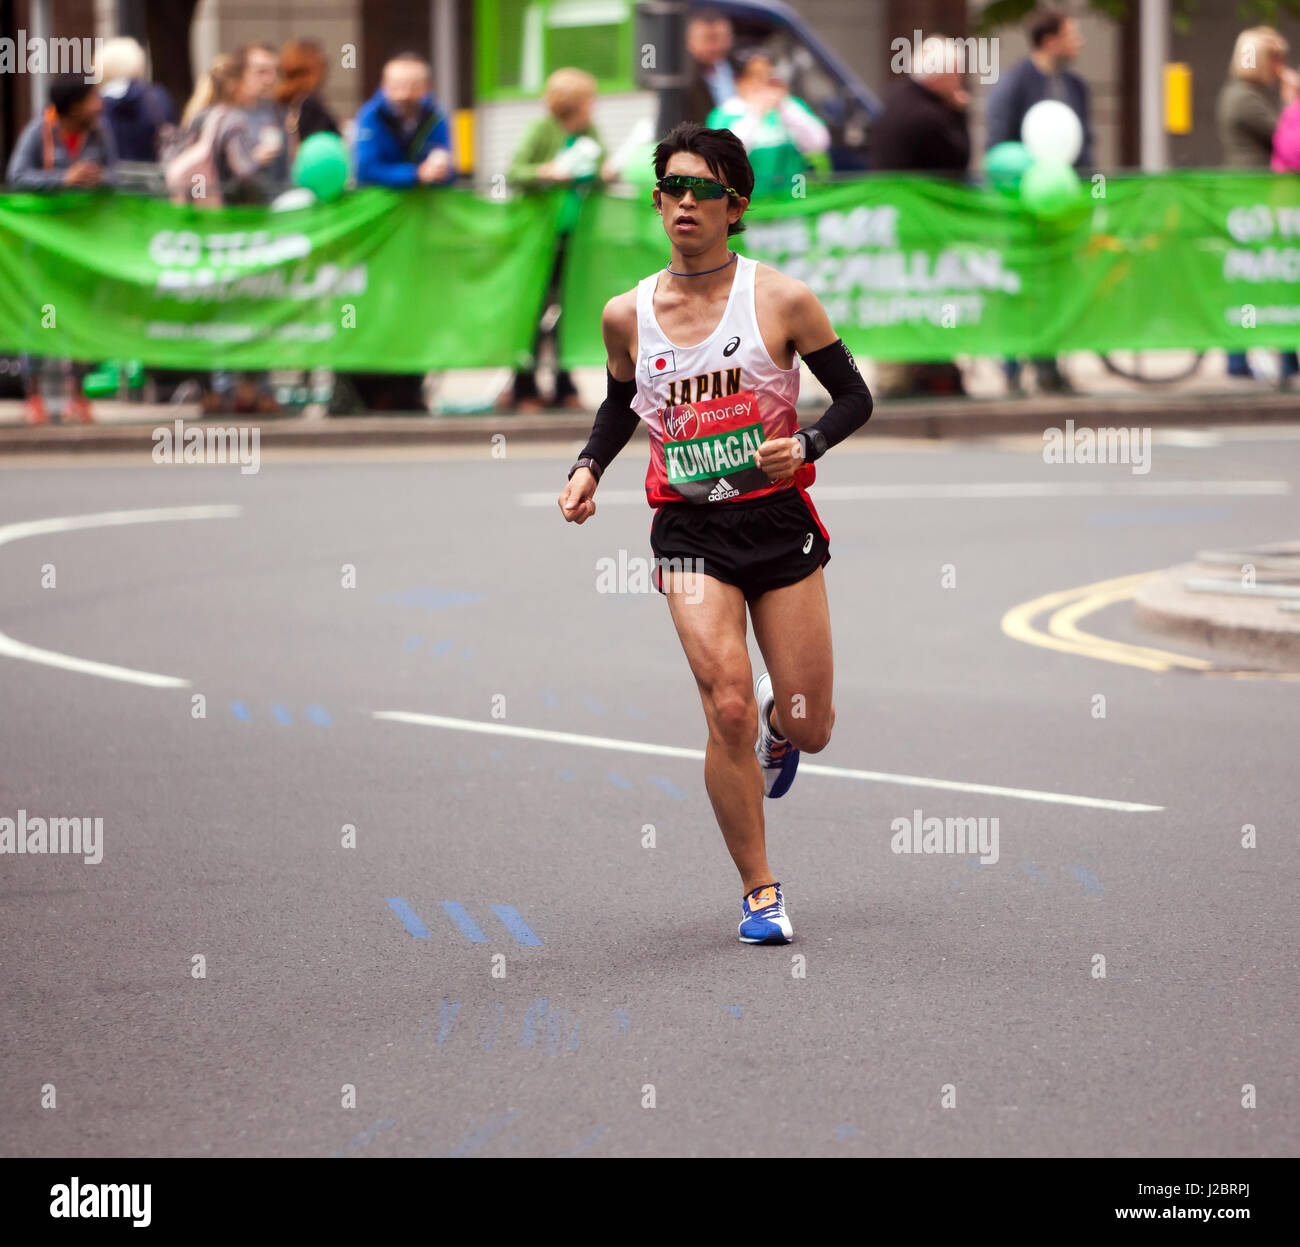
11, 648
1143, 487
675, 751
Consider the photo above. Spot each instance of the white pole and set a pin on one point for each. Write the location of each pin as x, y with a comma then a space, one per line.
1154, 40
41, 25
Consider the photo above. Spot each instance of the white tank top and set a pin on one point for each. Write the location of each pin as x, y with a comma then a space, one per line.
708, 407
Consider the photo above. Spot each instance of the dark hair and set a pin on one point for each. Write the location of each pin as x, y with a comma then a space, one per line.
708, 16
302, 70
1044, 23
67, 91
721, 150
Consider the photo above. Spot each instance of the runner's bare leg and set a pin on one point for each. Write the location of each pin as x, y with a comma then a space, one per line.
793, 629
710, 620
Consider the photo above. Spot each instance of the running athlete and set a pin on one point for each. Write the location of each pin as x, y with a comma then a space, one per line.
707, 353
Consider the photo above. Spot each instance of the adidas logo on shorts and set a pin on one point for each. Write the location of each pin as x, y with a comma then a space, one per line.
723, 489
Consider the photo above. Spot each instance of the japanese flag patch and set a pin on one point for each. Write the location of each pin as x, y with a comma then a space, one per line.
660, 363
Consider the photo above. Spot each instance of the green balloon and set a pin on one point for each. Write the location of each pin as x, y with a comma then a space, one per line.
1050, 189
322, 166
1006, 164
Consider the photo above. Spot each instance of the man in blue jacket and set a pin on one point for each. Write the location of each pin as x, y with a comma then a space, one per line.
1054, 40
402, 137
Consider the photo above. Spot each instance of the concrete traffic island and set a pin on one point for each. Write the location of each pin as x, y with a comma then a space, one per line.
1245, 603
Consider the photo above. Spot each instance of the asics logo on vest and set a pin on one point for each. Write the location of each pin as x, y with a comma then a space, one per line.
731, 347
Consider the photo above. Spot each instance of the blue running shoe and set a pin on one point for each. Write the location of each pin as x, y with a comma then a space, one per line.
765, 921
776, 755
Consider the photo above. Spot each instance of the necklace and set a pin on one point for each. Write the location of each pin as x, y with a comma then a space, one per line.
719, 269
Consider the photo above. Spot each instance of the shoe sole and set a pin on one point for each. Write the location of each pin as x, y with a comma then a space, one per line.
769, 939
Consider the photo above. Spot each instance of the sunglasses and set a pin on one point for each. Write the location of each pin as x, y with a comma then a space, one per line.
676, 185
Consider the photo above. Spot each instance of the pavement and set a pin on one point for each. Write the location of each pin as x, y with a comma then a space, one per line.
1244, 602
401, 811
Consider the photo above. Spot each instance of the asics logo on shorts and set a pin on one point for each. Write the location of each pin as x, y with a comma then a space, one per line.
807, 545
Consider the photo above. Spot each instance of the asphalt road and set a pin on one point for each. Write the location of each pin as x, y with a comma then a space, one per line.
946, 1007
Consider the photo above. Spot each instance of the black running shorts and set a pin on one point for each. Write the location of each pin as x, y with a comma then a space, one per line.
756, 544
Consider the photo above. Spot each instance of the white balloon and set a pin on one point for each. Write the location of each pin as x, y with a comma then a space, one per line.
298, 197
1052, 131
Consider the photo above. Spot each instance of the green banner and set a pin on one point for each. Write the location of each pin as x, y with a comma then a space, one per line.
380, 281
918, 269
908, 269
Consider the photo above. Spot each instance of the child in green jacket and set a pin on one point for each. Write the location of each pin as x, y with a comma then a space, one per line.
560, 149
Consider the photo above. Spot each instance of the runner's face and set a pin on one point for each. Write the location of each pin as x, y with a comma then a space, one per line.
695, 225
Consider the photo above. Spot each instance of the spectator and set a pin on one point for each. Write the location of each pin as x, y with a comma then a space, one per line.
402, 137
302, 71
219, 131
402, 141
560, 149
923, 129
712, 72
214, 115
1055, 40
265, 116
66, 147
140, 114
779, 130
1248, 112
1248, 107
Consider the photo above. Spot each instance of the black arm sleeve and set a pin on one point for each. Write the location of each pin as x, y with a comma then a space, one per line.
850, 405
615, 422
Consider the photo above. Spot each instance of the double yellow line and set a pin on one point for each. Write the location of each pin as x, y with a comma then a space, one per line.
1064, 634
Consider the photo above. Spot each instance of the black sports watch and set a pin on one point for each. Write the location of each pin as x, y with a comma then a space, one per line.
813, 442
590, 464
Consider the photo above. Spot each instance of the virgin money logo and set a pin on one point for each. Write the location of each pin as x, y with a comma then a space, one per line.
681, 423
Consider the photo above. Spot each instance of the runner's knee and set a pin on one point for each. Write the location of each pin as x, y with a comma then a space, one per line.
809, 735
731, 711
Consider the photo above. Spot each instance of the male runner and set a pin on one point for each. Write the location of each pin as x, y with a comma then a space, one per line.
705, 354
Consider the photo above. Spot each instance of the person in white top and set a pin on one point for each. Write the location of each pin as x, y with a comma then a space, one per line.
706, 355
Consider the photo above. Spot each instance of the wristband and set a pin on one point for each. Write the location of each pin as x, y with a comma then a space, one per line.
590, 464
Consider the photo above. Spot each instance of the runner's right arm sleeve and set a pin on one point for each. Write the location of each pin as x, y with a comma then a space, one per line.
615, 423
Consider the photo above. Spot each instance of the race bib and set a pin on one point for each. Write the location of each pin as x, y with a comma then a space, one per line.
709, 448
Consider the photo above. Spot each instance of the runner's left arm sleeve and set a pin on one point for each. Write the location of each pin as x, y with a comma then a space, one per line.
851, 402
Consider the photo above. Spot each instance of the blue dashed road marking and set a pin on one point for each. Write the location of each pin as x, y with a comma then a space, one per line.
669, 787
516, 925
1091, 884
240, 711
508, 915
409, 918
468, 928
